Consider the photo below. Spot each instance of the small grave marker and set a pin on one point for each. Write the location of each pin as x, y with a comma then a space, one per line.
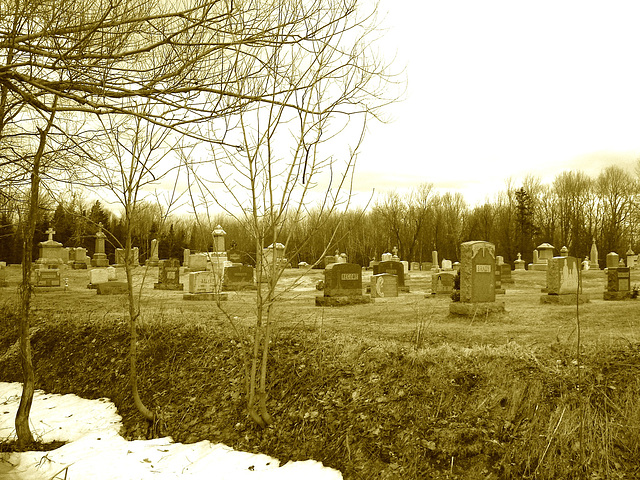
384, 285
239, 277
49, 277
169, 275
618, 284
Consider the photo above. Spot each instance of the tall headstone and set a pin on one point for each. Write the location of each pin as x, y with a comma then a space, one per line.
477, 273
99, 256
477, 280
434, 258
593, 260
153, 259
185, 257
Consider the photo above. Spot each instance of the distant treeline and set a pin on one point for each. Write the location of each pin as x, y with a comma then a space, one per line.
572, 211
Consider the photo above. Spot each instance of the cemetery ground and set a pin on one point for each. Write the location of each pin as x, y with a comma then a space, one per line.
398, 388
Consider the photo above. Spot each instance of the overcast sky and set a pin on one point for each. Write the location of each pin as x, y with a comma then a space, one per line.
502, 89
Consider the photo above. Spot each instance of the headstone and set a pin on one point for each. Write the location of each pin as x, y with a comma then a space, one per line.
393, 268
447, 265
593, 260
456, 266
505, 270
434, 259
535, 257
329, 259
415, 266
631, 258
386, 257
272, 252
563, 282
477, 280
426, 266
153, 259
342, 286
498, 279
112, 275
618, 283
519, 263
442, 283
219, 239
97, 276
197, 262
49, 277
186, 253
168, 275
80, 259
613, 260
405, 264
564, 251
99, 256
133, 256
51, 252
384, 285
204, 286
562, 276
238, 277
477, 273
202, 282
499, 260
541, 256
343, 279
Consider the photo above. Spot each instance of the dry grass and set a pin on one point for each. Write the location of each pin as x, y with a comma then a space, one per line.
394, 389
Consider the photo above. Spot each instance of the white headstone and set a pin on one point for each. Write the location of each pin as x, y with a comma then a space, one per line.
98, 275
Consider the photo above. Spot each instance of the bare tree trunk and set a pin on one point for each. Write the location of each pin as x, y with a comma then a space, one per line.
134, 314
23, 431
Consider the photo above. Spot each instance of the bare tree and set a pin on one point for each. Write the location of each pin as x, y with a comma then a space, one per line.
323, 82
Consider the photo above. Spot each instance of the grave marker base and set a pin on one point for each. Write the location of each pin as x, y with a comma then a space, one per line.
617, 295
208, 297
168, 286
470, 309
564, 299
112, 288
341, 301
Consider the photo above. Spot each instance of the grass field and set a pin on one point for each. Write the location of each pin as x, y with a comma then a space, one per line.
394, 389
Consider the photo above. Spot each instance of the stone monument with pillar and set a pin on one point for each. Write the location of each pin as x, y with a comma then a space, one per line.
99, 256
218, 257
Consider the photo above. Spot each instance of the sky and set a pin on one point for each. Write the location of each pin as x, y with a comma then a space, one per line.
502, 89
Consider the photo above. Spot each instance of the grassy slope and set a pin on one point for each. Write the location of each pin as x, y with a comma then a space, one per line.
397, 389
